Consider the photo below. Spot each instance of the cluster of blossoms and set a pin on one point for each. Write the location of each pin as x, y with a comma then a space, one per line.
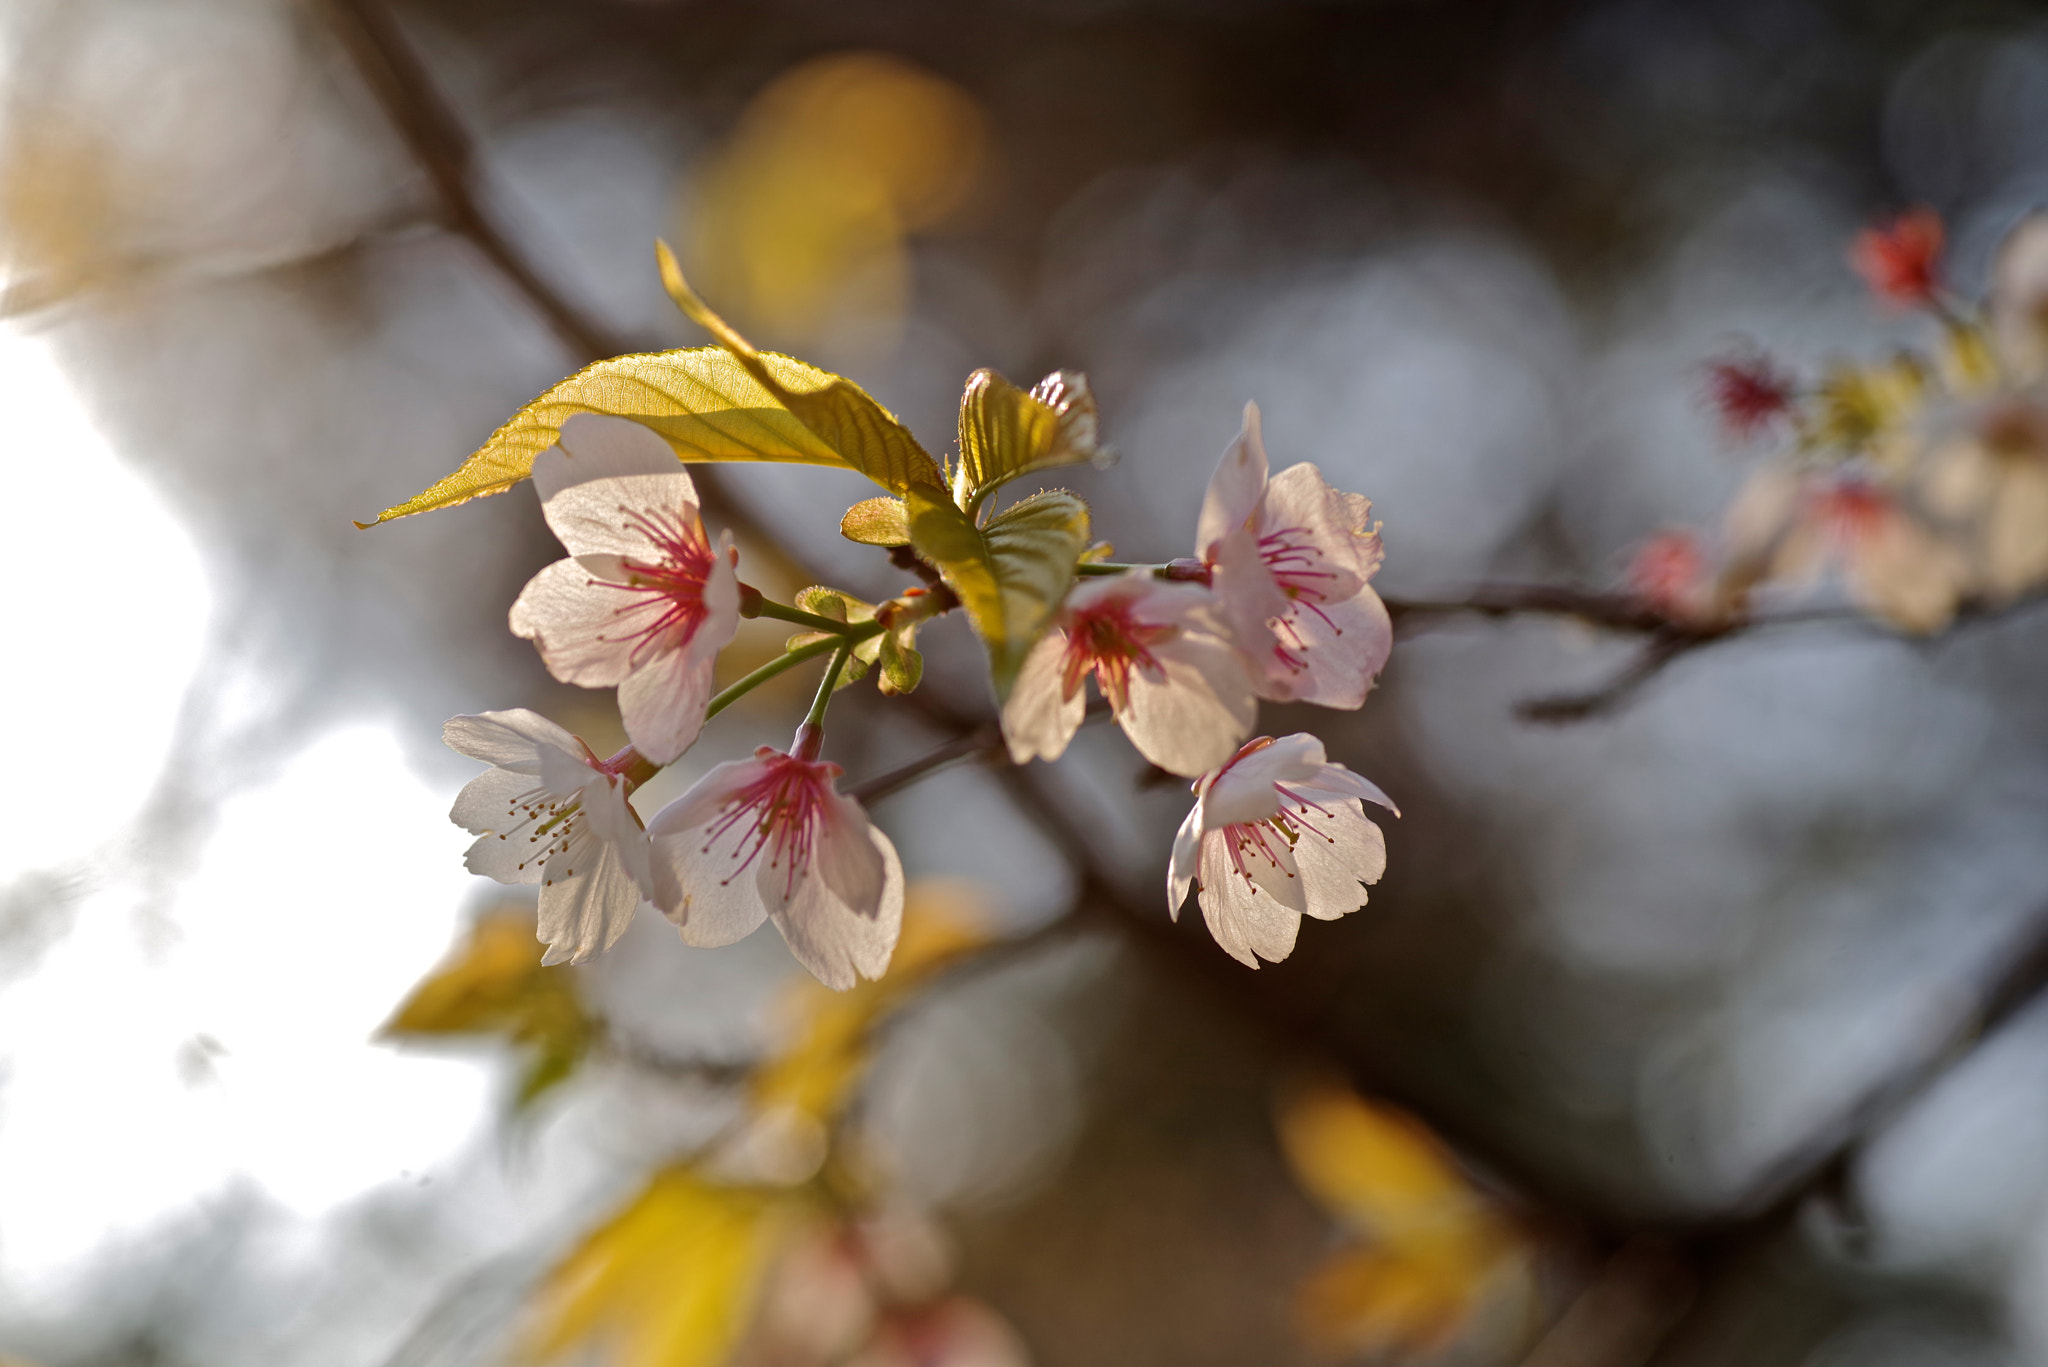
1920, 479
1276, 602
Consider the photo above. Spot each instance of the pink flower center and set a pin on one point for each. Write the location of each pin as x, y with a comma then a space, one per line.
668, 586
1848, 510
1109, 639
1266, 840
782, 811
1296, 563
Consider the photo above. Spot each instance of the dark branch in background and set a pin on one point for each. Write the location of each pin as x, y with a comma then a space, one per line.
1702, 1247
445, 151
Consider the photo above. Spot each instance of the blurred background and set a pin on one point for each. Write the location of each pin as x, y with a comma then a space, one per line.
1669, 982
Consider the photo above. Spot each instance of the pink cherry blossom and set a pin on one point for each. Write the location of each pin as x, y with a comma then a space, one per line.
645, 600
1792, 527
772, 838
549, 811
1157, 652
1276, 833
1290, 558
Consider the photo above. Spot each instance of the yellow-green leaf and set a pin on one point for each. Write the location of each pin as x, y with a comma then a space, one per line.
668, 1281
902, 665
877, 522
702, 401
1005, 432
837, 411
1009, 575
494, 984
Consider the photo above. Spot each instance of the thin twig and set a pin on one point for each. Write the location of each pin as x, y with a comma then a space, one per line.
982, 741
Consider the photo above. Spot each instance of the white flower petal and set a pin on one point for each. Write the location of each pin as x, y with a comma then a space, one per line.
600, 446
1338, 781
662, 702
578, 622
512, 740
1243, 789
1194, 718
1182, 868
501, 856
614, 515
1336, 521
1338, 851
490, 801
587, 905
1245, 921
1235, 488
841, 943
1341, 647
1038, 718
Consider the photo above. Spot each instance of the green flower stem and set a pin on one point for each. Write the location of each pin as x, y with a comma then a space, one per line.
741, 687
798, 617
827, 686
1109, 567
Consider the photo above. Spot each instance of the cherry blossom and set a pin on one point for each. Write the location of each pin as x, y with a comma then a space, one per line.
1750, 393
1899, 260
549, 811
772, 838
1289, 559
1792, 526
645, 600
1277, 833
1669, 574
1179, 688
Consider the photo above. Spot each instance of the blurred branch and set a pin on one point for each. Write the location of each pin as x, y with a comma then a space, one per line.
1667, 640
444, 150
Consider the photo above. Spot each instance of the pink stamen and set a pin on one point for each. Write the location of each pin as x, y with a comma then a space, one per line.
783, 811
1295, 561
670, 583
1108, 639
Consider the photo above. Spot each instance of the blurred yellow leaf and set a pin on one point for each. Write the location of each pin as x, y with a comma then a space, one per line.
705, 402
801, 218
1436, 1247
667, 1282
494, 985
1010, 574
1005, 432
832, 1031
837, 412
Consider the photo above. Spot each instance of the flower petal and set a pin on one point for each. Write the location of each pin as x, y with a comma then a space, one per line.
1246, 922
614, 515
584, 912
1236, 487
662, 702
1194, 718
600, 446
1243, 789
1039, 720
1339, 850
1342, 647
572, 614
1339, 781
841, 943
503, 857
698, 875
1181, 869
512, 740
491, 801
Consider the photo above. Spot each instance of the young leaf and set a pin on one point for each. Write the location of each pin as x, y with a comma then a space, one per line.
837, 411
667, 1281
1009, 575
494, 985
902, 666
877, 522
1005, 432
702, 401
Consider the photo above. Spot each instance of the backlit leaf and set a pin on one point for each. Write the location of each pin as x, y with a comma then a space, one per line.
836, 411
668, 1281
1011, 574
877, 522
702, 401
831, 1032
1005, 432
494, 984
